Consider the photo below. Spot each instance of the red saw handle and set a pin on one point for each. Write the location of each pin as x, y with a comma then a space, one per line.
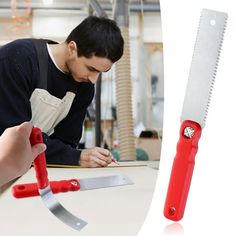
31, 189
182, 170
40, 161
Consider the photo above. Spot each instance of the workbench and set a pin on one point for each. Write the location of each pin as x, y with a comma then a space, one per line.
112, 211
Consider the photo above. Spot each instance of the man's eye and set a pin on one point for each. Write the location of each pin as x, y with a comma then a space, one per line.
92, 69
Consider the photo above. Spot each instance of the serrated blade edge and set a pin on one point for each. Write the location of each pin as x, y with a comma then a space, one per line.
204, 66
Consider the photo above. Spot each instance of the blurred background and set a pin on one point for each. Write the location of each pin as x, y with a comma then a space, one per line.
126, 115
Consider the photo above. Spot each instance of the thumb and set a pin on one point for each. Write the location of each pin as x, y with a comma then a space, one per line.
37, 149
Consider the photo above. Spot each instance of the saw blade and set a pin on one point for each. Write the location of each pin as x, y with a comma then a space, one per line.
104, 182
204, 65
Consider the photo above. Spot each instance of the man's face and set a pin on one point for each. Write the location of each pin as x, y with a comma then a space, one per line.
85, 69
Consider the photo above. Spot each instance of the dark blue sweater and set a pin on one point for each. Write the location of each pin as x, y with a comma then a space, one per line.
19, 76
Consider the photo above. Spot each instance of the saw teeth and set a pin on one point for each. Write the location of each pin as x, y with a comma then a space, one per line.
204, 65
215, 71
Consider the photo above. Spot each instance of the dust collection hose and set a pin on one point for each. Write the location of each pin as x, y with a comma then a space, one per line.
124, 102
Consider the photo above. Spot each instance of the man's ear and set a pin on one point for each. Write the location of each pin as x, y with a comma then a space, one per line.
72, 48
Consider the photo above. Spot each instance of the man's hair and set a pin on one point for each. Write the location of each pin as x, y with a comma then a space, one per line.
98, 36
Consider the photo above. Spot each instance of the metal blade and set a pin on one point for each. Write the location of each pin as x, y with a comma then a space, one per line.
204, 65
104, 182
51, 202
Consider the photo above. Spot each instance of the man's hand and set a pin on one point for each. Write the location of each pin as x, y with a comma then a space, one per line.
16, 153
95, 157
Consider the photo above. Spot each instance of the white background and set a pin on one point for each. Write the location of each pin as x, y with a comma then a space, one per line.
211, 205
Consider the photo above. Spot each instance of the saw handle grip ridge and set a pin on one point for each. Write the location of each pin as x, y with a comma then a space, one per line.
182, 170
31, 189
40, 161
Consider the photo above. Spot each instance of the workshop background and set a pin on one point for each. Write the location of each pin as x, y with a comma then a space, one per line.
126, 117
116, 119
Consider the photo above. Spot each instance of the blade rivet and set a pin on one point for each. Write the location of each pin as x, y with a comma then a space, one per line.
188, 132
172, 211
75, 183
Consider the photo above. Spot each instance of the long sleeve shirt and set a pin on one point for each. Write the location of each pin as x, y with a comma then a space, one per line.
19, 75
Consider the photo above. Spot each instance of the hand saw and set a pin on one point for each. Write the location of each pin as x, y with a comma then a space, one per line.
49, 200
195, 108
31, 189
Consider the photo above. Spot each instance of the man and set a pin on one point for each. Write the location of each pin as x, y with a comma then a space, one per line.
14, 143
54, 95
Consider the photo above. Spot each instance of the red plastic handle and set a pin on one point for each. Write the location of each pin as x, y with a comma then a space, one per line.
40, 161
182, 170
31, 189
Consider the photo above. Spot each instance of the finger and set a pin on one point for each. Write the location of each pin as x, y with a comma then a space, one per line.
38, 149
103, 151
99, 161
107, 159
104, 157
25, 128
